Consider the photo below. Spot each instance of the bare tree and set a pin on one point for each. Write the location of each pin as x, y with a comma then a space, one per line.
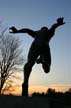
10, 57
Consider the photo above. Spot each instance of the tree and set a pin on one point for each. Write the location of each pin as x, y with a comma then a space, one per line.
50, 91
70, 90
10, 57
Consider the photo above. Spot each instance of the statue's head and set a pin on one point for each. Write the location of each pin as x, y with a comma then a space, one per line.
44, 28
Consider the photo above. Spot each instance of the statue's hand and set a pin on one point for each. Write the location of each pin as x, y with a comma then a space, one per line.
13, 30
60, 21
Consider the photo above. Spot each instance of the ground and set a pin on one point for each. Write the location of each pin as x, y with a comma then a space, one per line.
7, 101
10, 101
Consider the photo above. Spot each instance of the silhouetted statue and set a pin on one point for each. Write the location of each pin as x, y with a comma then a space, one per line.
39, 51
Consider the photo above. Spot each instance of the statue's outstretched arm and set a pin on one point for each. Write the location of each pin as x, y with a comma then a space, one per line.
25, 30
58, 23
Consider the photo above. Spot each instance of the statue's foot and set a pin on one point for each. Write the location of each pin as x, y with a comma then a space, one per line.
46, 67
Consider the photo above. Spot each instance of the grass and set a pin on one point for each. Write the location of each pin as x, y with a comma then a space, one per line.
51, 100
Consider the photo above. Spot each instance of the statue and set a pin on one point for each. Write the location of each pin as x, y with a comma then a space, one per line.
39, 51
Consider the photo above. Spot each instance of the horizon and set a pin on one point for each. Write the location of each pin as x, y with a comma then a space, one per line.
38, 89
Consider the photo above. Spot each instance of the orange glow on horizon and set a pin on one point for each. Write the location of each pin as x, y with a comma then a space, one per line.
40, 89
44, 89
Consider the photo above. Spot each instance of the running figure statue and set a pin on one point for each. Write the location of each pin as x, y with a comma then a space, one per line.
39, 51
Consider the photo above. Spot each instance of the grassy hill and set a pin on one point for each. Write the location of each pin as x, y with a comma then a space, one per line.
8, 101
36, 101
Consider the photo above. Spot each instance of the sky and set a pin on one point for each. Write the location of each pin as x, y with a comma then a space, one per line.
34, 14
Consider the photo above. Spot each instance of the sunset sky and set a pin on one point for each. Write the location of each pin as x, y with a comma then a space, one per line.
34, 14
